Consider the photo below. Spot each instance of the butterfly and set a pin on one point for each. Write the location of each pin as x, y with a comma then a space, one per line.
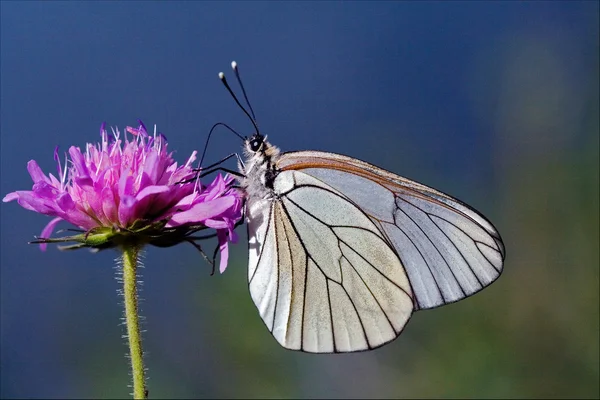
342, 252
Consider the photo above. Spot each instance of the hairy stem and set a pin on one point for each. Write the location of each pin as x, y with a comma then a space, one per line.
132, 319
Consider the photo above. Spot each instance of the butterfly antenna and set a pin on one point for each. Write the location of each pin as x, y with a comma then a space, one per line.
234, 66
222, 78
210, 133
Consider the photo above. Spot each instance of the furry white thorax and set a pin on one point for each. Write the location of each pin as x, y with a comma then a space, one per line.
259, 167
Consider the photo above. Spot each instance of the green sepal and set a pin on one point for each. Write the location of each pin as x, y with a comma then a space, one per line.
140, 233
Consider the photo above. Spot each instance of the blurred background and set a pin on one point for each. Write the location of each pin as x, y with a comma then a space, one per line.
495, 103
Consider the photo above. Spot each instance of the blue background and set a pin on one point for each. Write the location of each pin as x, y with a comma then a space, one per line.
495, 103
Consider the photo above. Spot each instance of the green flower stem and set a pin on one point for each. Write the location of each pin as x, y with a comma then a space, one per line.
130, 260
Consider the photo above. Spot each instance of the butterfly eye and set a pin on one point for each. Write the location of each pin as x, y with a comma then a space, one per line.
255, 145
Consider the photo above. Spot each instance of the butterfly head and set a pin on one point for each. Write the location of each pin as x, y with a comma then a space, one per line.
254, 144
257, 148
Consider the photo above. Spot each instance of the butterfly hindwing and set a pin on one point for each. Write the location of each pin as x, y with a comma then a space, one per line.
326, 280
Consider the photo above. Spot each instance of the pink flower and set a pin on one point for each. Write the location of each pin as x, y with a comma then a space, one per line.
131, 191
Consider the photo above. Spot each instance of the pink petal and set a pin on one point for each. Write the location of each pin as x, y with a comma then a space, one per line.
10, 197
126, 210
36, 172
65, 202
145, 181
47, 231
233, 236
30, 201
126, 184
109, 207
149, 190
151, 166
79, 163
224, 249
216, 223
202, 211
186, 201
44, 190
216, 188
153, 199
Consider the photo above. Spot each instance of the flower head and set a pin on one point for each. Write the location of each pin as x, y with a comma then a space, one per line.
130, 190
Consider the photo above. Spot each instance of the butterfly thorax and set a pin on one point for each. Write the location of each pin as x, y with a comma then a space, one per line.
259, 169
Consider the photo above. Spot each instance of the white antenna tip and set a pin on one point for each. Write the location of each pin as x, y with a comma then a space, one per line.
233, 65
221, 75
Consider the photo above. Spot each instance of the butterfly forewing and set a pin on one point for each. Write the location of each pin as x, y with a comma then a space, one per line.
449, 250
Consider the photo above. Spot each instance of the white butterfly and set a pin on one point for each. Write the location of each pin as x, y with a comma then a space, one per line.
341, 252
